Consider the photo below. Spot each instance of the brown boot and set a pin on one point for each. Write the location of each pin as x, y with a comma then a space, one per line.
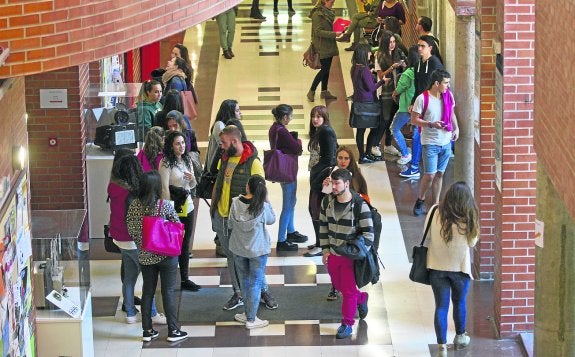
351, 48
311, 95
231, 53
325, 94
227, 54
344, 37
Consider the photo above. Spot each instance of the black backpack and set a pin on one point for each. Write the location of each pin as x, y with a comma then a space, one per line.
367, 270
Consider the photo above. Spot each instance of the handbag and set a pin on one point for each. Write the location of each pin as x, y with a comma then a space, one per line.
189, 103
109, 244
365, 115
280, 167
162, 236
419, 272
311, 58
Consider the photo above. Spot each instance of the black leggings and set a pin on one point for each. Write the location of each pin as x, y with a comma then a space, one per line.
323, 75
371, 140
184, 258
288, 1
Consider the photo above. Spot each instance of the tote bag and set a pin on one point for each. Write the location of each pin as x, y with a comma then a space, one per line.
311, 58
365, 115
189, 104
162, 236
419, 272
279, 167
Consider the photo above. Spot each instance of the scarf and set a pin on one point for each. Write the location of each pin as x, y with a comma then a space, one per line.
448, 103
171, 73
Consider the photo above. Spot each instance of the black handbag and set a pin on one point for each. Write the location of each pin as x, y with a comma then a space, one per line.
109, 244
419, 272
365, 115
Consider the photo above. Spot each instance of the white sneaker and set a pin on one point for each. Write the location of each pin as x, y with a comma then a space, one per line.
257, 323
241, 318
159, 319
442, 350
391, 150
376, 151
461, 341
404, 160
132, 319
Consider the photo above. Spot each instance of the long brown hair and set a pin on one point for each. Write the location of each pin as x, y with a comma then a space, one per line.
322, 111
358, 183
459, 208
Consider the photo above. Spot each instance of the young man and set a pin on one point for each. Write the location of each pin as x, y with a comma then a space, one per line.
438, 128
238, 163
336, 227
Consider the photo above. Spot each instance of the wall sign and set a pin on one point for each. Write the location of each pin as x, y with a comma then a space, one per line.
53, 98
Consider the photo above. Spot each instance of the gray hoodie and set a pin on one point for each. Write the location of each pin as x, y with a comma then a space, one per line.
249, 238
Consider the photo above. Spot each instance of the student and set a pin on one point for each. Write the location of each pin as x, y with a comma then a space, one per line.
454, 229
250, 244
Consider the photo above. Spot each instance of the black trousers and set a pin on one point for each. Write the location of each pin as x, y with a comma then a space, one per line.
323, 74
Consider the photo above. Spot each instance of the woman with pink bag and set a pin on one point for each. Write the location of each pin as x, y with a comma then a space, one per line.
148, 203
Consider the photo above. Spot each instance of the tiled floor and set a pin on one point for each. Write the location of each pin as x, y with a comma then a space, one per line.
265, 72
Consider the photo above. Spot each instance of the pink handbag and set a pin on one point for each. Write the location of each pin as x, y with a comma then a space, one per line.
162, 236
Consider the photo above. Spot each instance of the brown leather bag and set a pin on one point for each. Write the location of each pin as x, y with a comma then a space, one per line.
311, 58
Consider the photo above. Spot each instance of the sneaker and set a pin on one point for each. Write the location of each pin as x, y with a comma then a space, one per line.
365, 160
177, 335
333, 295
316, 252
310, 95
461, 341
296, 237
374, 158
137, 300
404, 160
257, 323
159, 319
276, 11
132, 319
269, 300
124, 307
376, 151
291, 12
391, 150
343, 331
410, 172
149, 335
190, 285
442, 350
362, 308
241, 317
235, 301
418, 208
286, 247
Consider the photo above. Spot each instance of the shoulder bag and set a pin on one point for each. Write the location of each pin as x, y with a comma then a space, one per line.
279, 167
189, 103
162, 236
365, 115
311, 57
419, 272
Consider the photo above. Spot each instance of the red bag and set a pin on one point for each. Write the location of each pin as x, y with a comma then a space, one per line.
189, 104
340, 24
162, 236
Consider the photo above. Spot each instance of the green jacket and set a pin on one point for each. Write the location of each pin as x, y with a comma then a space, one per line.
322, 35
406, 89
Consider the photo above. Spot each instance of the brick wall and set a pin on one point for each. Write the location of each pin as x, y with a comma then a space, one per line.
54, 34
57, 174
485, 151
553, 95
12, 124
515, 203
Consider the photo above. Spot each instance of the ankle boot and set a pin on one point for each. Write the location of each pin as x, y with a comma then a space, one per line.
311, 95
325, 94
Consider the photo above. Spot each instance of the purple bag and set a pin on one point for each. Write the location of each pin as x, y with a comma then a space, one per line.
280, 167
162, 236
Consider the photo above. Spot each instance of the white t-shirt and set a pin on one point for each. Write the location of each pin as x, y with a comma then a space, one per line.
432, 136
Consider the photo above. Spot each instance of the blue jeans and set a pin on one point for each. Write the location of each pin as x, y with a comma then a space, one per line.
400, 119
443, 283
289, 190
436, 158
251, 272
131, 271
167, 269
415, 148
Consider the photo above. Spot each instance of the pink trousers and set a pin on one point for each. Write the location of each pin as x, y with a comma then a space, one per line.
340, 270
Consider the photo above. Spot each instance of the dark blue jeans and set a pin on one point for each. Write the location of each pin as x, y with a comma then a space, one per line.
444, 284
167, 269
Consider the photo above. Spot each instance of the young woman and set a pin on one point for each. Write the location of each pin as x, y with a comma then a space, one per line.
152, 153
344, 160
323, 40
454, 229
175, 77
405, 89
322, 147
281, 138
250, 243
364, 91
291, 11
170, 101
148, 105
176, 170
125, 180
147, 203
181, 51
389, 63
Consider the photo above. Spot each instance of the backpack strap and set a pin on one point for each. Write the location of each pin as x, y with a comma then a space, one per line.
425, 103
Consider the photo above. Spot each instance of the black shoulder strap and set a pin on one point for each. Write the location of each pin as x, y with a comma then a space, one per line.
428, 225
357, 203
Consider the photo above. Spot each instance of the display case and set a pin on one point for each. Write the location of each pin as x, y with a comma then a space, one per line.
61, 272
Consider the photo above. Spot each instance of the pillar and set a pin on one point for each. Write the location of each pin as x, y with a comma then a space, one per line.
555, 276
464, 93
